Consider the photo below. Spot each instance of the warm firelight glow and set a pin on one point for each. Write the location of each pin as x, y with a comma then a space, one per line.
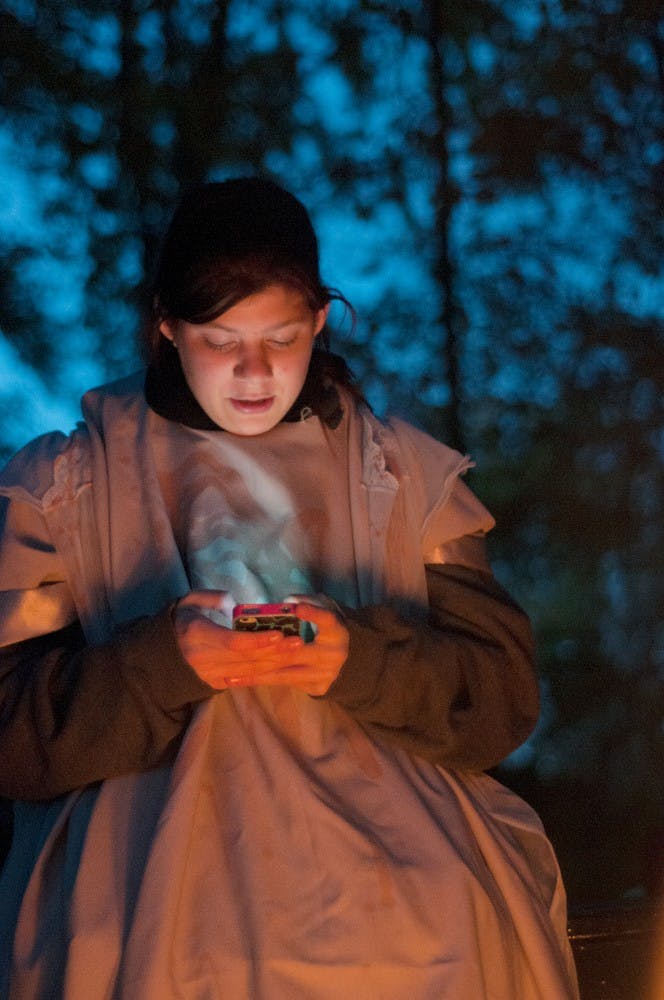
656, 978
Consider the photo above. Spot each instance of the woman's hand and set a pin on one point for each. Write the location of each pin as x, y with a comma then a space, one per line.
225, 658
216, 652
312, 667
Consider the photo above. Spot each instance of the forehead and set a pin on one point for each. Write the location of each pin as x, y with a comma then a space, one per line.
276, 303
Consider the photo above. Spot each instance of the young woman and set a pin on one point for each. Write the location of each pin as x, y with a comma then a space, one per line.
202, 812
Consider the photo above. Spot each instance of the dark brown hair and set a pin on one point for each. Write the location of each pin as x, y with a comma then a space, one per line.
229, 240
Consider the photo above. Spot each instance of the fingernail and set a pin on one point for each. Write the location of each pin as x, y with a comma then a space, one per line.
226, 604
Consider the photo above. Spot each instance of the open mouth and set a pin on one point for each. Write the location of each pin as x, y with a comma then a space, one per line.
253, 405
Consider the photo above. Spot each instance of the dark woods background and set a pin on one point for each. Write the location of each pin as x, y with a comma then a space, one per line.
487, 178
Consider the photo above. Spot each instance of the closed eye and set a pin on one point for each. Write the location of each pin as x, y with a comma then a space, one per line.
282, 343
226, 347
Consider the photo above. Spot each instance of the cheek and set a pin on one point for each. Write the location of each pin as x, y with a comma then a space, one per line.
298, 372
205, 370
198, 379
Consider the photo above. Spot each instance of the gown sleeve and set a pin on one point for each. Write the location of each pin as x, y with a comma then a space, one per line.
458, 688
72, 714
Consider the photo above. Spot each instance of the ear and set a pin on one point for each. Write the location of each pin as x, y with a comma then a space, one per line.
168, 330
321, 319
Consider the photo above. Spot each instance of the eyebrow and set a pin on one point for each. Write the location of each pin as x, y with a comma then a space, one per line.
270, 329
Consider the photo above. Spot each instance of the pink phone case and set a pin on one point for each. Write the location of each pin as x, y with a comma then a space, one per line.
262, 617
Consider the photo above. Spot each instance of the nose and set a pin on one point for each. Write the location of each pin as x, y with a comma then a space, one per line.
252, 362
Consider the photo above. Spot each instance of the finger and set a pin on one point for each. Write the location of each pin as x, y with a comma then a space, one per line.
236, 650
253, 651
263, 653
311, 612
216, 600
304, 678
255, 648
318, 615
319, 600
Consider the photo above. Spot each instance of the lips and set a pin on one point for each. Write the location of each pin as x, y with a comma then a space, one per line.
252, 405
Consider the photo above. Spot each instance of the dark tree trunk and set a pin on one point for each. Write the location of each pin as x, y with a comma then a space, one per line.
450, 318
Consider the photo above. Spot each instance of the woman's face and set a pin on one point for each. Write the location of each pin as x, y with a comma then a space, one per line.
247, 366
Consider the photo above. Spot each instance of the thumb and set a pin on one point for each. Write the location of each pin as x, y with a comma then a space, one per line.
317, 600
213, 600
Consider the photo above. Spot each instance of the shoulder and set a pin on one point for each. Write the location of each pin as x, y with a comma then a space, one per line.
418, 453
428, 448
436, 474
29, 474
64, 459
114, 398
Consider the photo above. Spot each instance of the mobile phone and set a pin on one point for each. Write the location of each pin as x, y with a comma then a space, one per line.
262, 617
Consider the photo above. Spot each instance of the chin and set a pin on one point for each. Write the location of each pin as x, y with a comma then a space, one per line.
248, 426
